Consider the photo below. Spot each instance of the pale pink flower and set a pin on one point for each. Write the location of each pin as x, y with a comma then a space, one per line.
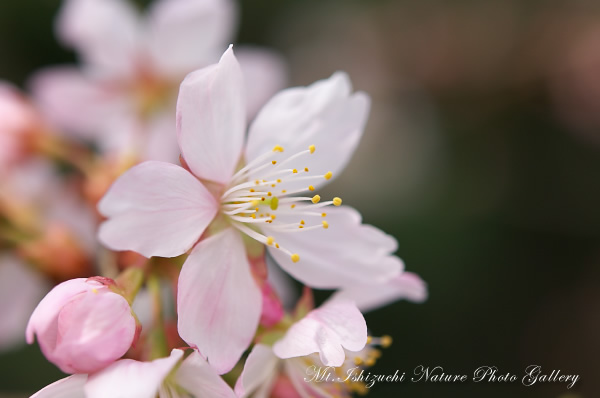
299, 140
330, 336
124, 95
171, 377
83, 326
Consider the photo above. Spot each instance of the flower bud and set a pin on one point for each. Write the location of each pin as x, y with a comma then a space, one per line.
82, 325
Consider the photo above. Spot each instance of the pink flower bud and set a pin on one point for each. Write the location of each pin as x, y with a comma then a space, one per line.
82, 326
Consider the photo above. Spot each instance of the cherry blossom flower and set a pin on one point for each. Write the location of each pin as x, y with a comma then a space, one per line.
332, 338
82, 325
298, 141
170, 377
132, 65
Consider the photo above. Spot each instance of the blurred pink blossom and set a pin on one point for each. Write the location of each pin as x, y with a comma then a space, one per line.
124, 95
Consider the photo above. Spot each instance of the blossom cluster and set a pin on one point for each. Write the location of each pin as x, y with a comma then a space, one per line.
170, 222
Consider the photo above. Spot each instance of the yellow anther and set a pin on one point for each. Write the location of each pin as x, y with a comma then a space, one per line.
257, 182
273, 185
315, 199
337, 201
262, 199
253, 216
283, 191
370, 362
325, 224
386, 341
369, 339
274, 203
358, 361
273, 216
294, 171
312, 148
292, 206
302, 222
277, 245
311, 188
269, 221
270, 240
256, 209
295, 258
323, 214
261, 215
328, 175
306, 169
278, 148
279, 180
254, 203
251, 189
264, 180
300, 226
269, 194
375, 354
274, 161
94, 290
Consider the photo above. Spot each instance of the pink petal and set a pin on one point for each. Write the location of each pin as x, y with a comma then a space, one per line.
80, 105
218, 301
211, 119
368, 297
345, 254
324, 114
69, 387
104, 32
94, 330
156, 209
45, 315
336, 325
131, 379
265, 73
198, 378
184, 35
260, 369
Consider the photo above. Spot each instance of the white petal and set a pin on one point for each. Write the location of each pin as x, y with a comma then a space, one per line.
368, 297
345, 254
211, 119
259, 369
160, 140
21, 289
131, 379
156, 209
105, 32
198, 378
336, 325
69, 387
324, 114
184, 35
218, 301
265, 73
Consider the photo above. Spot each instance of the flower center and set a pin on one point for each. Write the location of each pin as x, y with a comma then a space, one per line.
276, 203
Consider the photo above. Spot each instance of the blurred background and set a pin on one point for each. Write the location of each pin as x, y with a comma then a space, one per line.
481, 156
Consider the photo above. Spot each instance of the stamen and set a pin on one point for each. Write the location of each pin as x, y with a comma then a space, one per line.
337, 201
311, 148
328, 175
316, 199
295, 257
325, 224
